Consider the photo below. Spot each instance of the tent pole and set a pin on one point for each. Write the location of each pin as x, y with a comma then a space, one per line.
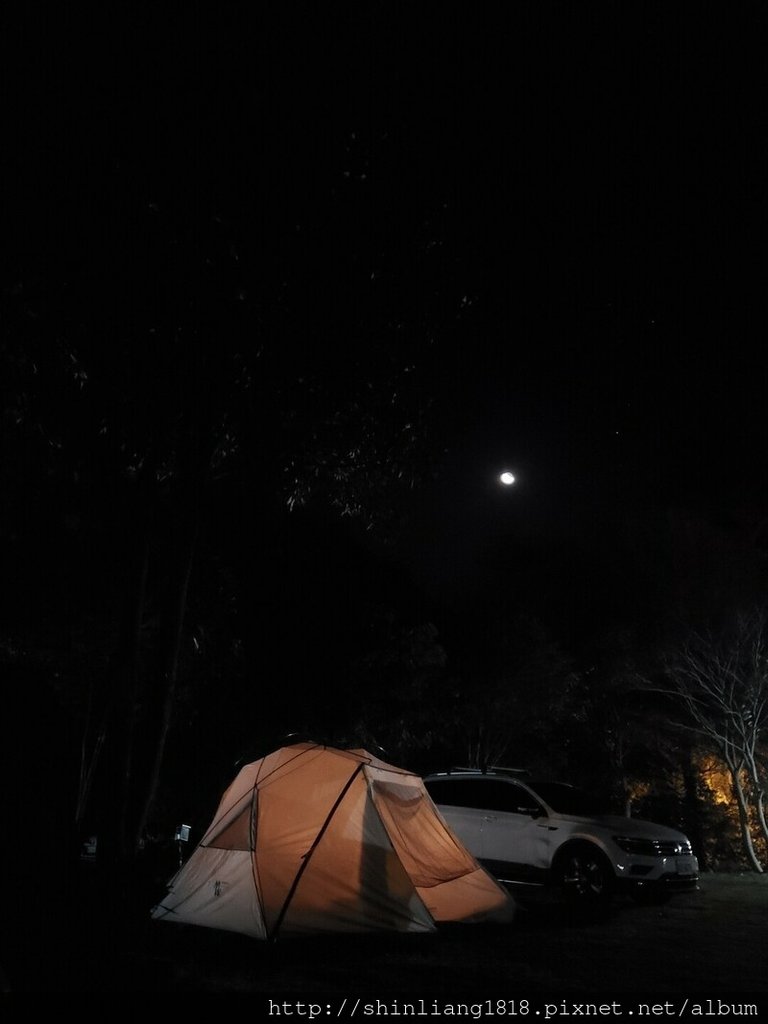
308, 854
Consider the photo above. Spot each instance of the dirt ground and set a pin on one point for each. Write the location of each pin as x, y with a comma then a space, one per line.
712, 944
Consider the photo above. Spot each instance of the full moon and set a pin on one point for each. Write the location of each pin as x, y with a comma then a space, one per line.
507, 479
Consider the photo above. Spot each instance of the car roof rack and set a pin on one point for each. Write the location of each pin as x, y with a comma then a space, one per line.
495, 769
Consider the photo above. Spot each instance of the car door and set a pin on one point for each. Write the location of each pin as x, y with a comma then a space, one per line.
515, 834
457, 801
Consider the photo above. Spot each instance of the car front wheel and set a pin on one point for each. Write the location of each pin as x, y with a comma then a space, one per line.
584, 877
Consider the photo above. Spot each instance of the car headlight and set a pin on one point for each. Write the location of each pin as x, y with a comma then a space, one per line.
654, 847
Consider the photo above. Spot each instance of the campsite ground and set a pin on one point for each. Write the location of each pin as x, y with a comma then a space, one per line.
712, 944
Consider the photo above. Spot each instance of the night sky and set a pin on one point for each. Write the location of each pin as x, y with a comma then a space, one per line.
570, 199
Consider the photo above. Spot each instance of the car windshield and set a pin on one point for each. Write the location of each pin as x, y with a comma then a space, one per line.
567, 800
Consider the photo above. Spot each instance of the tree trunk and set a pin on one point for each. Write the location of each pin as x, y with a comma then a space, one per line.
746, 833
169, 699
759, 795
120, 711
134, 670
88, 763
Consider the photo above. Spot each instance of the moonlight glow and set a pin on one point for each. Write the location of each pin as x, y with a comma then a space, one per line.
507, 479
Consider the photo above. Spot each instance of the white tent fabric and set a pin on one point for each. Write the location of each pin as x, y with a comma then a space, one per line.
315, 839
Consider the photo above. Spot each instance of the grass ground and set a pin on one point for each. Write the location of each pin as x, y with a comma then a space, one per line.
711, 943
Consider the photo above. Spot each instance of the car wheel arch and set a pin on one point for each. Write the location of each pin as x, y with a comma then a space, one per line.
586, 843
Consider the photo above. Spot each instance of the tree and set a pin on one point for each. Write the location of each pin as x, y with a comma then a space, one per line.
146, 401
398, 682
720, 679
510, 688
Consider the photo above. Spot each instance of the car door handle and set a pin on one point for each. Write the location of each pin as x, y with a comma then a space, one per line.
489, 817
549, 828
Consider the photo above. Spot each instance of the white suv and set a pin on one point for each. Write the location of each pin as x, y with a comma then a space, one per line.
548, 835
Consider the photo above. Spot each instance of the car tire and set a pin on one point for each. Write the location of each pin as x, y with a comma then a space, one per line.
584, 877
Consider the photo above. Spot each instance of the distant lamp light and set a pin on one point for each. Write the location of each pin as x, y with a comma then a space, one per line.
507, 479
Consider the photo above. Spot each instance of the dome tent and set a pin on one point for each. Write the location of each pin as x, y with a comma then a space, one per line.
315, 839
